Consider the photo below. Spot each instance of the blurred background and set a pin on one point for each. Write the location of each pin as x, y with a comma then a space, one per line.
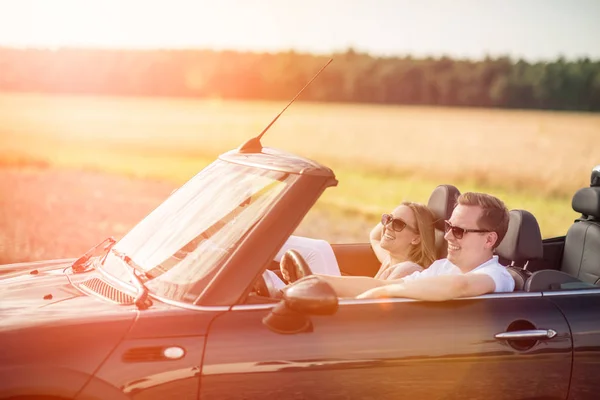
107, 106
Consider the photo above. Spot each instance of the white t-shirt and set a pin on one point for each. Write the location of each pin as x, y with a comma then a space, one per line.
502, 278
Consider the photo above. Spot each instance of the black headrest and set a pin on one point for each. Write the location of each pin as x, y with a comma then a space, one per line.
442, 202
587, 201
523, 240
595, 178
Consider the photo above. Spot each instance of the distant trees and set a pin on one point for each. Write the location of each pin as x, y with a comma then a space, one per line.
352, 77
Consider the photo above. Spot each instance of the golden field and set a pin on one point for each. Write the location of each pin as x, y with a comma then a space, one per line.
381, 154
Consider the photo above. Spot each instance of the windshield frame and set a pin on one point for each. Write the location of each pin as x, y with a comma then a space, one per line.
309, 177
232, 283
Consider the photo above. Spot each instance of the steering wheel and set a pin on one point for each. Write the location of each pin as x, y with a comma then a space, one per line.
265, 288
293, 266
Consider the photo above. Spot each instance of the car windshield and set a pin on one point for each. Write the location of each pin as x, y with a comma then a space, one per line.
188, 237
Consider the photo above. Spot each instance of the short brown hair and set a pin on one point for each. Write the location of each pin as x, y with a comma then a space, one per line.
494, 216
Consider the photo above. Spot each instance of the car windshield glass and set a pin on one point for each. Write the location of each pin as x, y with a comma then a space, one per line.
189, 236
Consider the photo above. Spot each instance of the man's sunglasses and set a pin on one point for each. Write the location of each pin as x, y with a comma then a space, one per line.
458, 232
397, 224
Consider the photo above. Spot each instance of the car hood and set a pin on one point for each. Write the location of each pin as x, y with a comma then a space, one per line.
41, 294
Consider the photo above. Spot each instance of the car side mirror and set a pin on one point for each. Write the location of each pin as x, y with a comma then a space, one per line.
312, 296
307, 296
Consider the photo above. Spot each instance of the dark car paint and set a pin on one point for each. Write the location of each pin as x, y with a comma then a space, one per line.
137, 366
78, 345
9, 270
583, 312
391, 349
74, 323
41, 336
159, 378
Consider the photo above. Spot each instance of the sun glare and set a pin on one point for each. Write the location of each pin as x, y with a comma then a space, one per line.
146, 24
62, 22
393, 27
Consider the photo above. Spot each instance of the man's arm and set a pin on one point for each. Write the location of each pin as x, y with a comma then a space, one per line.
435, 288
351, 286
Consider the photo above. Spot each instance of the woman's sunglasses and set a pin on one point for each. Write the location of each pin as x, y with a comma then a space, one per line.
460, 232
397, 224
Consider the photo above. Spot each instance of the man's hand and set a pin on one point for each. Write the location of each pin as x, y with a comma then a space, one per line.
375, 293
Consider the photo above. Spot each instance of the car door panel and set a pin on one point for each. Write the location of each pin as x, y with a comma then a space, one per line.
139, 368
356, 259
391, 349
161, 355
582, 310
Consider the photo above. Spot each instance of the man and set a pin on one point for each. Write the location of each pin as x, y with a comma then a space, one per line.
477, 226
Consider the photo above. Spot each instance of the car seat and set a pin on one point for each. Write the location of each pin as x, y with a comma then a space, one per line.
521, 244
581, 255
580, 263
442, 201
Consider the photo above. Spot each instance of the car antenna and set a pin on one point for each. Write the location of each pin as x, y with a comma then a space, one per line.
253, 145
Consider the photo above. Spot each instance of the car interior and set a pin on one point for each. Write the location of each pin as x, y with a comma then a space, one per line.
560, 263
566, 262
359, 258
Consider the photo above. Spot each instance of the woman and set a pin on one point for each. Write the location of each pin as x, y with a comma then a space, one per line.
404, 242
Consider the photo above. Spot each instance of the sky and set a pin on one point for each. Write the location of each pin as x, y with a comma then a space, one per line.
530, 29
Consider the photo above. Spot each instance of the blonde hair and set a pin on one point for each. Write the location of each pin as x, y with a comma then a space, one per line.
423, 253
494, 216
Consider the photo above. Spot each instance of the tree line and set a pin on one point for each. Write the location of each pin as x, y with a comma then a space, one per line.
352, 77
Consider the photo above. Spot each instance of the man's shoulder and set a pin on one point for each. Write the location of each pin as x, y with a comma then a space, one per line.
492, 263
442, 263
442, 266
498, 272
438, 263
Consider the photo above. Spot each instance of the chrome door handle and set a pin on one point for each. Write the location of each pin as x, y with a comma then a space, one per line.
529, 334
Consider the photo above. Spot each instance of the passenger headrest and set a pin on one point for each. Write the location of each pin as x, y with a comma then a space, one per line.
587, 201
595, 178
523, 240
442, 202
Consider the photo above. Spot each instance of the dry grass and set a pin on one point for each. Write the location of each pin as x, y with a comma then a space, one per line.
48, 213
381, 154
551, 153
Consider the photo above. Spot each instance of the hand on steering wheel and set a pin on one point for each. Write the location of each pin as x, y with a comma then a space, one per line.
293, 266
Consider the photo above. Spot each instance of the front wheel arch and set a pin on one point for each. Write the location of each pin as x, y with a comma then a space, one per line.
54, 383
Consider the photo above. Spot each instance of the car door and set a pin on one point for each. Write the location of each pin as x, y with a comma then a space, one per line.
499, 346
582, 310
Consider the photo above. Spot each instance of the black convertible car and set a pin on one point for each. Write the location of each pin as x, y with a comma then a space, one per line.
178, 308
